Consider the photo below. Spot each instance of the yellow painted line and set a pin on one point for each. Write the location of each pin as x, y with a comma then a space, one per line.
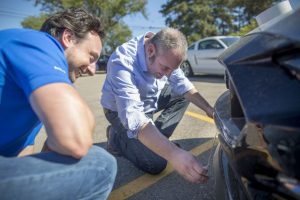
201, 117
147, 180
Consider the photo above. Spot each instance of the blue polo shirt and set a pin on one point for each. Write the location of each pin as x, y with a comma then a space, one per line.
28, 60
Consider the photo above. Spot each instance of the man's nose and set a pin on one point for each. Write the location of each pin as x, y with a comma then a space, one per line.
90, 70
168, 73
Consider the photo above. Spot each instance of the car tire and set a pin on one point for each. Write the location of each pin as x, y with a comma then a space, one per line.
186, 68
227, 186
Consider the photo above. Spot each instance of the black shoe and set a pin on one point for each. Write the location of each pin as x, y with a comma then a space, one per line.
111, 147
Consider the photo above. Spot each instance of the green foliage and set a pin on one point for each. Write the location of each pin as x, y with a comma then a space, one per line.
202, 18
252, 8
193, 20
246, 29
120, 35
111, 13
34, 22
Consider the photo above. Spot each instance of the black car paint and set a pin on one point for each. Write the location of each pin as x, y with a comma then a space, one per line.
258, 118
101, 64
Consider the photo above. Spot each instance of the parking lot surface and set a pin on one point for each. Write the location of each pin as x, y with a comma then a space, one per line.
194, 133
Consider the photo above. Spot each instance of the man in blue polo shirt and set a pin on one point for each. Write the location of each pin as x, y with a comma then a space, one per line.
37, 69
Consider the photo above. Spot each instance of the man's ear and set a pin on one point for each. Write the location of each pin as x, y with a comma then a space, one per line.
151, 50
67, 38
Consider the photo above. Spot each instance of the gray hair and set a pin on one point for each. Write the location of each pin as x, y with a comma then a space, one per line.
170, 38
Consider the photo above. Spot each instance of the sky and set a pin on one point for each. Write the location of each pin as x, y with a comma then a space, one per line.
12, 12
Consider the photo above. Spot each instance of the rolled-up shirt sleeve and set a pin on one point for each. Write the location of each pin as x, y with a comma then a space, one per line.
179, 82
130, 108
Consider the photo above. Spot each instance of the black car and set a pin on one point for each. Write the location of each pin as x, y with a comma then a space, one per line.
258, 118
102, 63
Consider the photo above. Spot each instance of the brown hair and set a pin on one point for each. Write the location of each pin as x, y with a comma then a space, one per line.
77, 20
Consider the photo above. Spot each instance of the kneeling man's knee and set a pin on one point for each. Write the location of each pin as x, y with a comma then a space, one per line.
155, 168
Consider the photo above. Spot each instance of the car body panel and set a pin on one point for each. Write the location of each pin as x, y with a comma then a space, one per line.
258, 118
203, 55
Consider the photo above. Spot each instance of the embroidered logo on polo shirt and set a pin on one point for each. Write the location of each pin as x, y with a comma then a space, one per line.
59, 69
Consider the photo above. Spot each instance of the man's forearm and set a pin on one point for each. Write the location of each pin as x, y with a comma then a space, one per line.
194, 96
150, 136
182, 161
68, 121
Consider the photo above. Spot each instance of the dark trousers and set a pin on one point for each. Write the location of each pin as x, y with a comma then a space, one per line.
173, 108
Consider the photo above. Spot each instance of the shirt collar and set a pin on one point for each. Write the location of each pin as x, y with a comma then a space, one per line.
141, 51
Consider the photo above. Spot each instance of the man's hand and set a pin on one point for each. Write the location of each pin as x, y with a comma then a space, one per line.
188, 167
210, 112
182, 161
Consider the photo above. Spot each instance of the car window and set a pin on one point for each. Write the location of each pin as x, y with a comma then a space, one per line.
192, 47
230, 41
209, 44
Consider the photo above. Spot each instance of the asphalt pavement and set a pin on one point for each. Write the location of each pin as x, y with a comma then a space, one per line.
195, 133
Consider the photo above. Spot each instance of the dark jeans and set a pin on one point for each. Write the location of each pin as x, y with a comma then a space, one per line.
173, 108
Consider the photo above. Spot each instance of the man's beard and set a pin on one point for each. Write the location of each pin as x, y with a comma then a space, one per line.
151, 61
73, 75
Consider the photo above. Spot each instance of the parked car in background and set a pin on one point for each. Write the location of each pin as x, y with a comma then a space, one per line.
258, 117
102, 63
202, 55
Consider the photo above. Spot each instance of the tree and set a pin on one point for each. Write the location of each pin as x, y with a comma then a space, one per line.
245, 11
246, 29
223, 19
119, 34
110, 12
202, 18
181, 15
34, 22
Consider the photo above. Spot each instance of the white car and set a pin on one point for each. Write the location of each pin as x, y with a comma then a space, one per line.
203, 54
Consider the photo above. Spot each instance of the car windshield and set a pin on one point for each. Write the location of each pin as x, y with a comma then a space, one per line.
230, 40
